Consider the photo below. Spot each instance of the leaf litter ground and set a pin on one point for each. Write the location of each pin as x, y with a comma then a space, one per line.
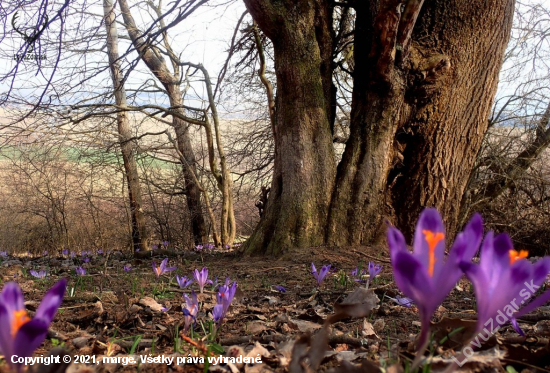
116, 313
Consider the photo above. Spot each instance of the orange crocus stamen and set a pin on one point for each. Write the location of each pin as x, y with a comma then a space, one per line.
20, 318
432, 239
515, 256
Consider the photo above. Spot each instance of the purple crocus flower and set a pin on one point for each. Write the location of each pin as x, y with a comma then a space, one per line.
154, 247
3, 254
224, 298
19, 334
65, 252
80, 271
424, 275
198, 247
165, 243
218, 314
279, 288
358, 274
201, 278
183, 281
226, 294
503, 281
86, 259
40, 274
127, 268
190, 310
100, 252
73, 254
374, 270
402, 301
162, 269
45, 253
319, 277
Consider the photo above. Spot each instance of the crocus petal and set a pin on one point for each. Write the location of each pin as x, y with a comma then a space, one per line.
411, 277
396, 242
467, 242
163, 265
495, 255
6, 339
51, 302
516, 327
429, 241
29, 337
478, 279
463, 249
12, 297
536, 303
217, 313
541, 269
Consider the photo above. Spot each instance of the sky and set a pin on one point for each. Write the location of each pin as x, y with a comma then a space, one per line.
202, 38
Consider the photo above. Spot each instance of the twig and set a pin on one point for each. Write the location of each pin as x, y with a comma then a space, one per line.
527, 365
372, 257
198, 345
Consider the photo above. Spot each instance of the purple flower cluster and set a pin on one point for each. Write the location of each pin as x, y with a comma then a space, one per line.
38, 274
502, 277
205, 247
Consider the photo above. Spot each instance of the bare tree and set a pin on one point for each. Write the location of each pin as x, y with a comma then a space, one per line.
139, 233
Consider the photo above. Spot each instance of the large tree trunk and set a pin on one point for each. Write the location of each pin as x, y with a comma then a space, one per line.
139, 233
443, 136
424, 80
418, 120
304, 168
377, 104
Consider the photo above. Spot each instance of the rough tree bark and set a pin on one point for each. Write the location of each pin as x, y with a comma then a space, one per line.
156, 64
139, 232
425, 76
304, 167
421, 101
466, 41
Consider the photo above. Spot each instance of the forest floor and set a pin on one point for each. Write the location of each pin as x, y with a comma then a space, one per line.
110, 312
